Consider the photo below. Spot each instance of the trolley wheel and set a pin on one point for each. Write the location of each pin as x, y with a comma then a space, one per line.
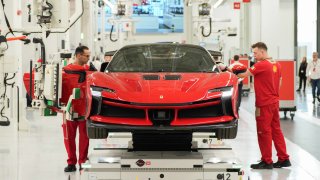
292, 115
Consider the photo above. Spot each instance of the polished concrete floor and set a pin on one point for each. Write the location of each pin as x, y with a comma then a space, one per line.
39, 153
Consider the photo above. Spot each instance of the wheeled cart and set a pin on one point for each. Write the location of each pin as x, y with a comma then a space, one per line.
212, 162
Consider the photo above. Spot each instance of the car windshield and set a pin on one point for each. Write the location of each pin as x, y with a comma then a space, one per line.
162, 58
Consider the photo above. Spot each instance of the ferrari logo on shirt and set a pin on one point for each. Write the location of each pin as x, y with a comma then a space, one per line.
275, 68
161, 96
252, 68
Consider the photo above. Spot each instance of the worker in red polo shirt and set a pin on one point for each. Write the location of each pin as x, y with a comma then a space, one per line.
74, 77
267, 81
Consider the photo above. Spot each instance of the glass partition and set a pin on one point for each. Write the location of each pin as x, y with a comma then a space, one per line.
154, 16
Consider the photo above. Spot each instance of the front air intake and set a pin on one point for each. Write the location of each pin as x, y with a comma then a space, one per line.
151, 77
172, 77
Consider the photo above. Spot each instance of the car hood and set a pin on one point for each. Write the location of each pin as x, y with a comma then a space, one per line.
160, 87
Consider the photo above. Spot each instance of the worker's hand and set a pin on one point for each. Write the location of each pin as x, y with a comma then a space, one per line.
308, 79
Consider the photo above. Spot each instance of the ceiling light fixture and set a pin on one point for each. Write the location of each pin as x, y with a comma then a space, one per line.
218, 3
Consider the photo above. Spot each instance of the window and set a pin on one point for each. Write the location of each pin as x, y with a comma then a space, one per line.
154, 16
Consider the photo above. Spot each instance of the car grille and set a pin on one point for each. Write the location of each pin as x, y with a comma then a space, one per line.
202, 112
116, 111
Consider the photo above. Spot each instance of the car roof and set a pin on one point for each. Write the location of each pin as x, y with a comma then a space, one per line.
163, 44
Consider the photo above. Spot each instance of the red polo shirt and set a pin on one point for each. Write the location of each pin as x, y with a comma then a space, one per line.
70, 81
267, 76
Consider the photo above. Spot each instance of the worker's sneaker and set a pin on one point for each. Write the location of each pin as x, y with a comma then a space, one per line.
80, 167
262, 165
280, 164
70, 168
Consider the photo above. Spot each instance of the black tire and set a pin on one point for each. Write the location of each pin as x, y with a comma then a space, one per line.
227, 133
97, 133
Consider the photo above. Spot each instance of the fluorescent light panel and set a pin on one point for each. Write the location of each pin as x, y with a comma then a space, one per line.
218, 3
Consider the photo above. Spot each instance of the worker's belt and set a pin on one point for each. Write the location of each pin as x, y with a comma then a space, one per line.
81, 118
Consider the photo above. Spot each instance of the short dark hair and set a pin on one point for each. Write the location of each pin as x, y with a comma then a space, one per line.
80, 50
236, 57
260, 45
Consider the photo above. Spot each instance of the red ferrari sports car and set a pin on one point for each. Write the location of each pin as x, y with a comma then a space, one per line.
160, 89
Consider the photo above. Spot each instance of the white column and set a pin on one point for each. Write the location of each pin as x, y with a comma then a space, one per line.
273, 23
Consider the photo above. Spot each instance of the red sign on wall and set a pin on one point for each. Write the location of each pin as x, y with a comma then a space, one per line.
236, 5
246, 1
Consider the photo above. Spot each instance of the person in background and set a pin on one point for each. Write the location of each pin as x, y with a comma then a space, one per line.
302, 74
96, 62
236, 62
107, 59
313, 76
267, 81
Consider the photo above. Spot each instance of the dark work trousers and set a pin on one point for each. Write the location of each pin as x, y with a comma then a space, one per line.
315, 83
304, 80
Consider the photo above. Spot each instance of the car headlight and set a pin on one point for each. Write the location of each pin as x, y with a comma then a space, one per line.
226, 91
96, 91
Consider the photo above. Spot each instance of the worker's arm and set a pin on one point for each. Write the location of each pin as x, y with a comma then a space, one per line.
229, 69
245, 74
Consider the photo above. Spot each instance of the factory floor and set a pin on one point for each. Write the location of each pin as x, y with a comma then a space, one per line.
39, 153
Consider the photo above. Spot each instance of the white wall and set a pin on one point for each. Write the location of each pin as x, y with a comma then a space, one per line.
273, 23
307, 26
231, 43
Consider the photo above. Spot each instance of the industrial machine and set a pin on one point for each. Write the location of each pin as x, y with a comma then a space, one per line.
45, 75
8, 70
122, 24
202, 21
51, 16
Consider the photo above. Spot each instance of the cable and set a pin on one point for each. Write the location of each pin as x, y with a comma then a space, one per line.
4, 39
63, 31
113, 40
3, 96
202, 29
4, 123
6, 19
